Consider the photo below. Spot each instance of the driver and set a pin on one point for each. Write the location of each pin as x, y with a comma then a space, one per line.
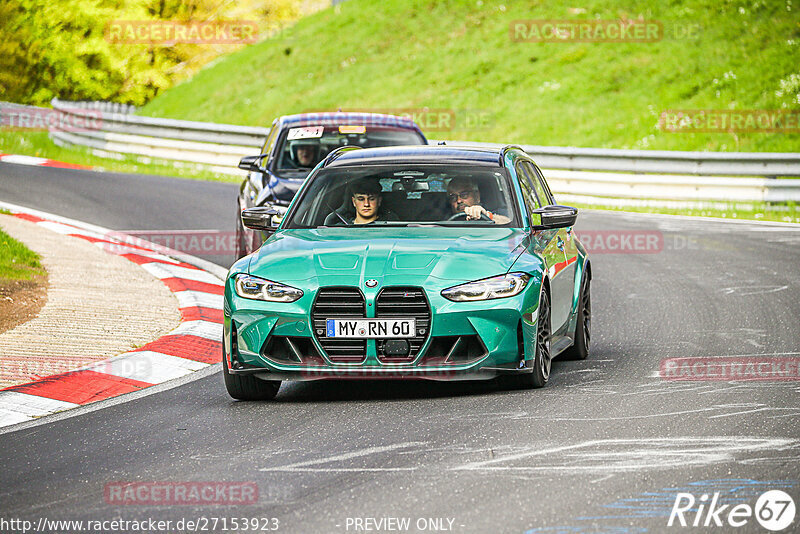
305, 153
464, 196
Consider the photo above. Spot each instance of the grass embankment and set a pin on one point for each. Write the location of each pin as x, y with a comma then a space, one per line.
459, 56
17, 262
23, 282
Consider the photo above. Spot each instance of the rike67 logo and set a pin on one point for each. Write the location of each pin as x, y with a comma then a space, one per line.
774, 510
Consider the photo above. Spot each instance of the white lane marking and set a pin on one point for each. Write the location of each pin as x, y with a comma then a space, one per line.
600, 479
23, 160
307, 466
673, 386
147, 366
164, 270
760, 408
618, 455
525, 415
65, 229
189, 299
8, 418
16, 407
120, 249
751, 290
623, 418
204, 329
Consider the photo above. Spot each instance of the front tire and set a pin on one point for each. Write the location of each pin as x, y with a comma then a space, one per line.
248, 388
542, 360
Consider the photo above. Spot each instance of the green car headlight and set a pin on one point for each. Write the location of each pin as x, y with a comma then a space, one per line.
252, 287
496, 287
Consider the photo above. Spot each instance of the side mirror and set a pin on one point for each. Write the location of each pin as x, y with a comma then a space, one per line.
264, 218
556, 217
251, 163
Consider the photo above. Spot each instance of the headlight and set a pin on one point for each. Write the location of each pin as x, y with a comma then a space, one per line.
497, 287
252, 287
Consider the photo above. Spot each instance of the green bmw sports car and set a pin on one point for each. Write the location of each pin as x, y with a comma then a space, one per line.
432, 262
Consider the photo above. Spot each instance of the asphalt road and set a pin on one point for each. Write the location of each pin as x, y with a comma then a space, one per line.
606, 446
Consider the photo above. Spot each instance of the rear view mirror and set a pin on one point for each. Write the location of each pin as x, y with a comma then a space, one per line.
251, 163
556, 217
264, 218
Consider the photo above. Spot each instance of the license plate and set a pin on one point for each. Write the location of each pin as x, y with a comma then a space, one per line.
370, 328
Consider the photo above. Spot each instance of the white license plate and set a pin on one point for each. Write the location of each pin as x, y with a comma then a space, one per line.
370, 328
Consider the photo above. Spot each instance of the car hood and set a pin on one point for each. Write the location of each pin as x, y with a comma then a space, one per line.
408, 254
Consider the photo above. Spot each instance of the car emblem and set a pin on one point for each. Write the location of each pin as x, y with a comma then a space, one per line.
371, 283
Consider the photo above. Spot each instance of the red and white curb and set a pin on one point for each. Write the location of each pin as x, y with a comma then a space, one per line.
194, 345
39, 162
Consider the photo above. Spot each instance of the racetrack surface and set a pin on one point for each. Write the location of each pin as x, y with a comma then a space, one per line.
604, 447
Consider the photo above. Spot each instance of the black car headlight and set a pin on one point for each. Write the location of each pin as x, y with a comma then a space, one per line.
496, 287
252, 287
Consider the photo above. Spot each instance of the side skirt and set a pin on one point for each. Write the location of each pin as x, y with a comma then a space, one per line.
560, 344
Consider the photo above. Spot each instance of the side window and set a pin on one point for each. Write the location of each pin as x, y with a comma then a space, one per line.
268, 140
536, 182
542, 183
528, 194
273, 133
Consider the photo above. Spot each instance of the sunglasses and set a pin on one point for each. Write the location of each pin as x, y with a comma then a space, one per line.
463, 195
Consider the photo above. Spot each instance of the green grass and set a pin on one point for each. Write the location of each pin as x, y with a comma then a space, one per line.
458, 55
40, 145
17, 262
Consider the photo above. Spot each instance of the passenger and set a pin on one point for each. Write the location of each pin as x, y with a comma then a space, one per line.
367, 199
464, 196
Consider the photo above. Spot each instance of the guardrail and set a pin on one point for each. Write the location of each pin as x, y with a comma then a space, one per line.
687, 177
769, 164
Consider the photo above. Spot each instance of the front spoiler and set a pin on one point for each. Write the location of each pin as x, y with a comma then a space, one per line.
386, 373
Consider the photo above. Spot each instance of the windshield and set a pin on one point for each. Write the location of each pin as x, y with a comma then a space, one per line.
407, 195
303, 147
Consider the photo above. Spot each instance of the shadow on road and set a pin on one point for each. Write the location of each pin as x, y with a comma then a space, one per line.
350, 390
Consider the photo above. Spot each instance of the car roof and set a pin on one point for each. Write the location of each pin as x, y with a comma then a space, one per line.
334, 118
424, 154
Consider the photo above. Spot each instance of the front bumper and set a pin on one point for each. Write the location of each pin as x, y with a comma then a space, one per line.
371, 373
465, 341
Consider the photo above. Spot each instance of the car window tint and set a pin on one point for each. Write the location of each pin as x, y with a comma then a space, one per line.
409, 194
542, 184
528, 194
304, 146
273, 133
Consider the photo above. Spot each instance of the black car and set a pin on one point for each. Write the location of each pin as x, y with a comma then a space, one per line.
297, 143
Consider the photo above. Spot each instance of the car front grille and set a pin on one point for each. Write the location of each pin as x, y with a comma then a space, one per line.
391, 303
401, 303
339, 302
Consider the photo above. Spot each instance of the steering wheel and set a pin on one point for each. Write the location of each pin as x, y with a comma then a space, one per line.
463, 215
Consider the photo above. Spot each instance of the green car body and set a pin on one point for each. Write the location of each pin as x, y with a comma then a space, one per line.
461, 340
